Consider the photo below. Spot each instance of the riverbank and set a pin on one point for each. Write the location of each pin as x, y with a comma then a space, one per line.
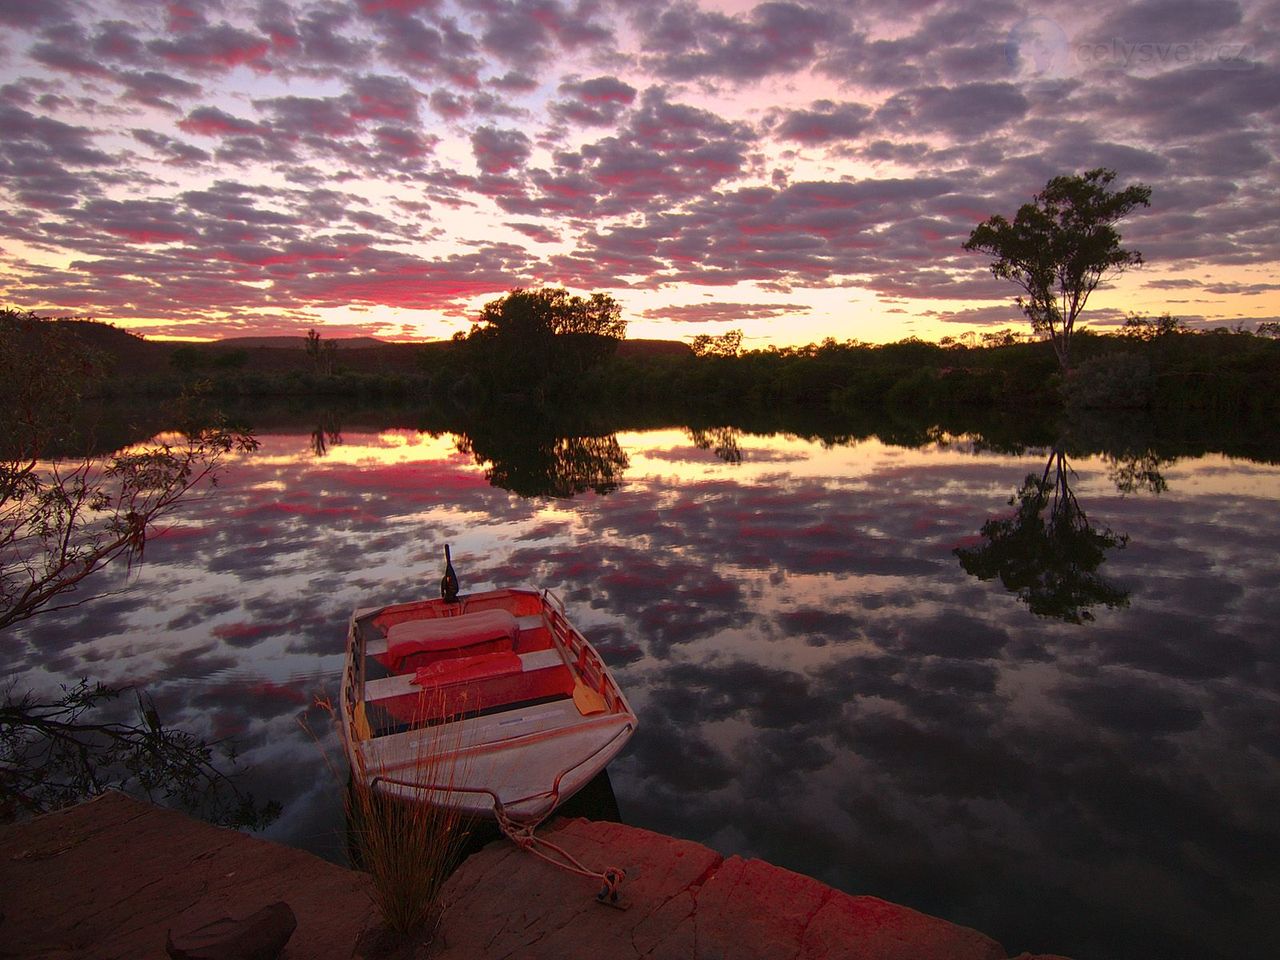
111, 878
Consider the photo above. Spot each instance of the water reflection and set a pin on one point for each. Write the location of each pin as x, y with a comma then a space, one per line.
722, 441
1140, 473
1048, 553
327, 433
537, 463
820, 683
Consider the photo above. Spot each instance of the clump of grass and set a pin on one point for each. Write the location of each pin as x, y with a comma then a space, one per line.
407, 846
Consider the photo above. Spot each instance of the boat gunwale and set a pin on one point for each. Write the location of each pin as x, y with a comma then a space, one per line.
576, 652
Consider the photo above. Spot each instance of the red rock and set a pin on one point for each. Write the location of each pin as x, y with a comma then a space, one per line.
108, 878
259, 936
686, 903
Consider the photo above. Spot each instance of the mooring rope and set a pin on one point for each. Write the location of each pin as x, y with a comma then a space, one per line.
522, 834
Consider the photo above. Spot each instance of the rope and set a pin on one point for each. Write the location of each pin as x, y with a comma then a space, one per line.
521, 833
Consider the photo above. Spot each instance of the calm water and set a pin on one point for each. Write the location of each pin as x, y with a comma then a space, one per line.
819, 680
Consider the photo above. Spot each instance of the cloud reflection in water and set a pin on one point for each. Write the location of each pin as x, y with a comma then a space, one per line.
819, 682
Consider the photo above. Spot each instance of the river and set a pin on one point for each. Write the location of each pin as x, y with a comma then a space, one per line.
850, 656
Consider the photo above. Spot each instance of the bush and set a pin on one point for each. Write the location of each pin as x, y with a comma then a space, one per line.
1110, 381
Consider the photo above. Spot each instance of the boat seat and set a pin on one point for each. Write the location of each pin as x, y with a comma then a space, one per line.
403, 639
389, 688
486, 666
496, 630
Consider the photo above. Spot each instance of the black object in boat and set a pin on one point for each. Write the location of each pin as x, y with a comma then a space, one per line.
449, 582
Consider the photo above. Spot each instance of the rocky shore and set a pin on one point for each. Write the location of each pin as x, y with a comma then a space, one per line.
116, 878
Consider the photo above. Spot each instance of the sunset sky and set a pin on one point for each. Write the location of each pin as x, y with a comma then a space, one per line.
798, 170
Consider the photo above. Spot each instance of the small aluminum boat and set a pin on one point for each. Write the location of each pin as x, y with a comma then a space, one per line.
492, 703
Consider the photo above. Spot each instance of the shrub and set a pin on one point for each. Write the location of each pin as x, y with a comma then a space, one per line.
1113, 381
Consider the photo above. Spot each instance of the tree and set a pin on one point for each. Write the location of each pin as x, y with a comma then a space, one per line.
63, 518
552, 311
528, 336
1060, 247
533, 459
54, 753
1150, 328
726, 345
321, 351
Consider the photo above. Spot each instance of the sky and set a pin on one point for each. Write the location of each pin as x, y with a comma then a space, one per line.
796, 170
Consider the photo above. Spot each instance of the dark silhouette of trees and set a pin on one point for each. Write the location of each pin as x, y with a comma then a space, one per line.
726, 345
1047, 552
1060, 247
322, 352
535, 342
1149, 328
722, 441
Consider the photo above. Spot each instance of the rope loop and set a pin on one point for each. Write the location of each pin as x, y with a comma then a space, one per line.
521, 833
613, 877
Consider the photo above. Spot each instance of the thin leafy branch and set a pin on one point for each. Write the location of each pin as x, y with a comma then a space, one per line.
57, 751
64, 516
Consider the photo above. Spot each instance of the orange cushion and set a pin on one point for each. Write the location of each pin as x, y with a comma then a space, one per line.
450, 633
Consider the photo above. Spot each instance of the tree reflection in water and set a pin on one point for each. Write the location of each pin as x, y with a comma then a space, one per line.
327, 433
722, 441
532, 464
1139, 473
1047, 552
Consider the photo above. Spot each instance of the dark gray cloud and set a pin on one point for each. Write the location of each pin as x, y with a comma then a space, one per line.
157, 89
686, 43
1152, 22
596, 102
964, 111
673, 143
524, 31
212, 49
498, 151
825, 121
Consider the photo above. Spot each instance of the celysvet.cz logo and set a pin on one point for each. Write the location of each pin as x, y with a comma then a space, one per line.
1130, 55
1039, 48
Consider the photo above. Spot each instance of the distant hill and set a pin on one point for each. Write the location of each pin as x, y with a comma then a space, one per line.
654, 348
133, 357
297, 343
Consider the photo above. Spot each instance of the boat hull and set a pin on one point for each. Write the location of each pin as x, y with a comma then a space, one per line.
495, 704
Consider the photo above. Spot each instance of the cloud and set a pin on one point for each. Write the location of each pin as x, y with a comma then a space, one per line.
596, 102
380, 97
157, 89
676, 144
520, 31
967, 110
718, 311
825, 121
214, 49
438, 50
498, 151
214, 122
536, 231
1168, 22
686, 43
318, 117
320, 40
27, 16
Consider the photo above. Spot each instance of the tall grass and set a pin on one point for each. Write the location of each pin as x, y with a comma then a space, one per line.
407, 846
